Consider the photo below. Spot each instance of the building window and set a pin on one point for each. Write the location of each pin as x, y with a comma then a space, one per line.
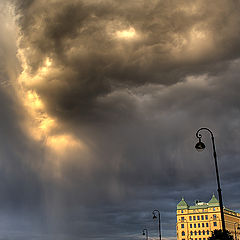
199, 232
214, 216
207, 232
182, 218
190, 218
200, 239
204, 238
191, 232
198, 224
214, 209
195, 233
182, 225
203, 232
183, 233
206, 217
215, 224
206, 224
195, 225
202, 217
198, 217
202, 224
182, 211
194, 217
190, 225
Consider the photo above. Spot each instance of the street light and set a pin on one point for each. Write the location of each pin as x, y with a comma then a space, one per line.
145, 232
200, 146
159, 221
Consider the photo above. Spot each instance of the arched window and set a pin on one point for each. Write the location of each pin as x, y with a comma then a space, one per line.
203, 232
195, 232
199, 232
183, 233
191, 233
207, 232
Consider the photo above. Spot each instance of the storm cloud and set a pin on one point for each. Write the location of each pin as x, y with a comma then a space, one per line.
100, 104
99, 46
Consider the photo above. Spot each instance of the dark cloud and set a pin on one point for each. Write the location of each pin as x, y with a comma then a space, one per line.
134, 100
172, 41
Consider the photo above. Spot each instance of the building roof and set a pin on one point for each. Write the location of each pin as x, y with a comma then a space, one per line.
182, 205
198, 204
213, 202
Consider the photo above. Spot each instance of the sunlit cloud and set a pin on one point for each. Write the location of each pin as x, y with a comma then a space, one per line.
33, 101
195, 44
27, 78
199, 40
46, 66
39, 124
126, 34
63, 142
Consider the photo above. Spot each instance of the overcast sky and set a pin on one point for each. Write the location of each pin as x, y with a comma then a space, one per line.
100, 104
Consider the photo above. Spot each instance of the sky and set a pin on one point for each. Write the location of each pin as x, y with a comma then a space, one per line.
100, 104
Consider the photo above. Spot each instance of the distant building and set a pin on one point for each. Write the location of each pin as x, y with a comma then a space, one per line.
197, 222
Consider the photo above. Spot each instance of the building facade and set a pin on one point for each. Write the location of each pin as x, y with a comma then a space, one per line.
198, 221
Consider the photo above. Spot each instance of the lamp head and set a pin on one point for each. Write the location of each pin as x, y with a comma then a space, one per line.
200, 146
154, 216
143, 233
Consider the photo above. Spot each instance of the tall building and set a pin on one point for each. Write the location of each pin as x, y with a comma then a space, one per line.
198, 221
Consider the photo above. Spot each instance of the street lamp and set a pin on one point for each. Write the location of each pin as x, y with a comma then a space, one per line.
145, 232
159, 222
200, 146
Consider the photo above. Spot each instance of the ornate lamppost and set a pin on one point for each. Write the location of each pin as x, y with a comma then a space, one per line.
200, 146
159, 221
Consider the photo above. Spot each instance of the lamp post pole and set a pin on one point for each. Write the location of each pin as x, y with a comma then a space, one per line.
145, 232
200, 146
235, 230
159, 221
